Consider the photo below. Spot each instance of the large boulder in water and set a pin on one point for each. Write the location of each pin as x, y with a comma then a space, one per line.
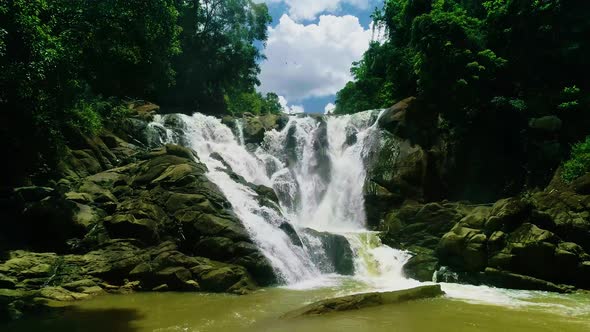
366, 300
422, 265
254, 127
337, 252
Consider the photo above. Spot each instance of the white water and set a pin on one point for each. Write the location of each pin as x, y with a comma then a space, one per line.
207, 135
317, 167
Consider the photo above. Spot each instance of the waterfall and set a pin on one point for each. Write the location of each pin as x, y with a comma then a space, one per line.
240, 130
317, 168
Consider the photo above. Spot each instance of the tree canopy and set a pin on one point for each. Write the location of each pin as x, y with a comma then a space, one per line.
65, 65
481, 71
467, 55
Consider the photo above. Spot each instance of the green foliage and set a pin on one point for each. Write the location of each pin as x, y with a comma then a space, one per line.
219, 55
458, 55
253, 102
483, 69
66, 64
84, 117
579, 162
570, 97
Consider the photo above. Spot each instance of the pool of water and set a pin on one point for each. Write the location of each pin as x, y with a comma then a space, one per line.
464, 308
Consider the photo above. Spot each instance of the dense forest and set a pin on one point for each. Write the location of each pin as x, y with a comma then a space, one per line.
485, 68
67, 66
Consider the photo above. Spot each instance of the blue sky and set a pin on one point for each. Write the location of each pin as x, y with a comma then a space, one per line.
311, 46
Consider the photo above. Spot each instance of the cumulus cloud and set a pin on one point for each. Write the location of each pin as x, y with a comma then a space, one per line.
290, 109
313, 60
329, 109
310, 9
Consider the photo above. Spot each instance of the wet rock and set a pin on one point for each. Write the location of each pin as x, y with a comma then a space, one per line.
509, 280
180, 151
290, 231
422, 265
509, 212
337, 250
420, 225
463, 248
226, 279
256, 126
125, 226
581, 185
359, 301
60, 294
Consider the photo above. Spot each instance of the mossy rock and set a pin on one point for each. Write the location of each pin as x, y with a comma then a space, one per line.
509, 280
366, 300
463, 248
422, 265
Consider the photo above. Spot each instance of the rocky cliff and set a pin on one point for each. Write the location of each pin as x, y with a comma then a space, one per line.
477, 223
125, 213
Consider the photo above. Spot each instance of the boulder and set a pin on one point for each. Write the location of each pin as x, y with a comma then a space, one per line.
226, 279
402, 168
419, 225
365, 300
509, 280
254, 127
338, 253
129, 226
422, 265
463, 248
581, 185
509, 213
549, 124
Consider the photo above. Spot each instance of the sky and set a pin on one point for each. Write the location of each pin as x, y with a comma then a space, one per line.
310, 48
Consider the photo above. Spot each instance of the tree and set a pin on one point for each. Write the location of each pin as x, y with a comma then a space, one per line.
66, 65
219, 57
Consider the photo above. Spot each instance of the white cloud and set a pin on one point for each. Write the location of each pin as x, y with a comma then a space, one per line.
310, 9
312, 60
293, 109
329, 109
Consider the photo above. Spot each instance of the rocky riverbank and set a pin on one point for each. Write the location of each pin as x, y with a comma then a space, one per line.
524, 238
124, 215
126, 212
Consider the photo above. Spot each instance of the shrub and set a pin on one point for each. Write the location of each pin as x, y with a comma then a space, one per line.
579, 162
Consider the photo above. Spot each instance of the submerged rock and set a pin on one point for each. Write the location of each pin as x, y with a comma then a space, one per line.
365, 300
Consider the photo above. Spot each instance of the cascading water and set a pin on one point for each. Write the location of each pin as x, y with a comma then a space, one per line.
317, 167
217, 148
240, 129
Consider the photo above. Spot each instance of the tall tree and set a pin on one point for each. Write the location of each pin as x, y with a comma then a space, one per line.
219, 52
